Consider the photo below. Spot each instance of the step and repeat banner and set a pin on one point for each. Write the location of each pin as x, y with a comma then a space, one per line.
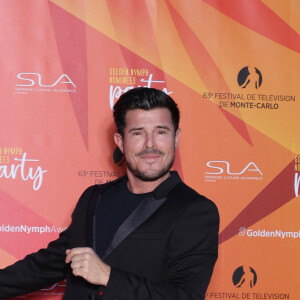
232, 66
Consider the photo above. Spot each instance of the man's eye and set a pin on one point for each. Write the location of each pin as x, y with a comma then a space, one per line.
137, 133
162, 132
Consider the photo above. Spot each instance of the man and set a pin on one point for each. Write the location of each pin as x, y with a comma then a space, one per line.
144, 236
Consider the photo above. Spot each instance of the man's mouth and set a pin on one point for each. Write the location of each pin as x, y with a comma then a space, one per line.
150, 156
150, 153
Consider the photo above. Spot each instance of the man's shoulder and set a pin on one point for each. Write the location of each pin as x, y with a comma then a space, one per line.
194, 206
92, 192
189, 196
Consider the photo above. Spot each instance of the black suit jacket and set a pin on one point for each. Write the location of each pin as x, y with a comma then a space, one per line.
166, 249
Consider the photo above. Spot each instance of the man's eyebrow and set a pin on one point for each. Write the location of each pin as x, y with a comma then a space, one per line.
158, 127
163, 127
135, 128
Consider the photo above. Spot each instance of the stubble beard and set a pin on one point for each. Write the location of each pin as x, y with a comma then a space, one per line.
150, 175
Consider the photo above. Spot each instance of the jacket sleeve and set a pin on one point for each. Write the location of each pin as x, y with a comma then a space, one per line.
192, 253
36, 270
40, 269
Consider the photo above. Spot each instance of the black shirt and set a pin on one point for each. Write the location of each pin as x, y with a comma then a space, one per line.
112, 211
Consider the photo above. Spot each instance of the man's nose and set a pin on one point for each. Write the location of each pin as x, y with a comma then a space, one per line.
150, 141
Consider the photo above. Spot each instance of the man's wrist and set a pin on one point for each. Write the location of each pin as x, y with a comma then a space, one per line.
106, 275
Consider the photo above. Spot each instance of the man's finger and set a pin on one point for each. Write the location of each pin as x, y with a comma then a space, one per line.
81, 271
71, 253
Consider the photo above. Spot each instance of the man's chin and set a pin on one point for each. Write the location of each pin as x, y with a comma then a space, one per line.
149, 176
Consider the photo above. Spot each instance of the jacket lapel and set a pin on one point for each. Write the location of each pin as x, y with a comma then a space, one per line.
144, 210
90, 216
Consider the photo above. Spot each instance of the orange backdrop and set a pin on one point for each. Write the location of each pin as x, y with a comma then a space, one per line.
232, 66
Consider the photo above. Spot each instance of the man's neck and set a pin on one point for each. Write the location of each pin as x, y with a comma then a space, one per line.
138, 186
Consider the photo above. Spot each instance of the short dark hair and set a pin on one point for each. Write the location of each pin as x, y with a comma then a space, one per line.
146, 99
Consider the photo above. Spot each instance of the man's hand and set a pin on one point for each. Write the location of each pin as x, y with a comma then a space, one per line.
86, 263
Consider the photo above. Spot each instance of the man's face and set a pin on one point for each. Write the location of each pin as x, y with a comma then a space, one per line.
149, 143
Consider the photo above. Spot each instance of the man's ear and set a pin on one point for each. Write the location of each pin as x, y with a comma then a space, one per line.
177, 136
119, 141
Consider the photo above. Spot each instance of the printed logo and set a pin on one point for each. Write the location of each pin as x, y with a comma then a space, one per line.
100, 176
249, 77
130, 78
27, 229
263, 233
57, 289
249, 80
244, 279
16, 165
222, 169
297, 175
242, 231
34, 82
52, 287
244, 276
